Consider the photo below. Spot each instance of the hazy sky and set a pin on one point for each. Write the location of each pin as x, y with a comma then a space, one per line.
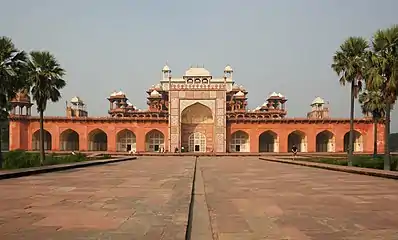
283, 45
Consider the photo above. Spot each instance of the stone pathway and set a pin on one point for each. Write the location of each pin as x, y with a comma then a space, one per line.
251, 199
142, 199
234, 198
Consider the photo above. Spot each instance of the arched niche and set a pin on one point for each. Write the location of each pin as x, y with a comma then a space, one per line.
325, 141
299, 139
154, 141
240, 142
268, 142
126, 141
36, 140
69, 140
97, 140
358, 141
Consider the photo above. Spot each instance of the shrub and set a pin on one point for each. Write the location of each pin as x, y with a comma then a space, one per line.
21, 159
364, 161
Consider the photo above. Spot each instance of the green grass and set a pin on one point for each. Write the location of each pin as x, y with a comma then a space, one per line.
364, 161
22, 159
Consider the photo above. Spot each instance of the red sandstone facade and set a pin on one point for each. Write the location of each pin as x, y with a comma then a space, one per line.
197, 112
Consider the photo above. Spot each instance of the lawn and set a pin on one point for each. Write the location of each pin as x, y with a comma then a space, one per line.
22, 159
365, 161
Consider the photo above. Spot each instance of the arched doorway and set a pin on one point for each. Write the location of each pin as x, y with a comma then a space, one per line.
197, 118
197, 142
325, 141
97, 140
358, 141
154, 141
36, 140
299, 139
126, 141
239, 142
69, 140
268, 142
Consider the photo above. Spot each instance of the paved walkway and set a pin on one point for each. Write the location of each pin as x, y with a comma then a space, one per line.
235, 198
142, 199
252, 199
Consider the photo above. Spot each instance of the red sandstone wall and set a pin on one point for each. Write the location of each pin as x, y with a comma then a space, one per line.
311, 130
25, 133
21, 133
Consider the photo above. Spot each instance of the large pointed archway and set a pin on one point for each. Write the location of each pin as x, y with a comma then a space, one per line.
69, 140
240, 142
325, 141
268, 142
97, 140
197, 119
358, 141
299, 139
36, 140
126, 141
154, 141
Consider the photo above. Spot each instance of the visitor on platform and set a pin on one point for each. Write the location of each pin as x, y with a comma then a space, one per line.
294, 151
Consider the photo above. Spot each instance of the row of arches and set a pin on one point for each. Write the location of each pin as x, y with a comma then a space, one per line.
155, 140
98, 141
269, 141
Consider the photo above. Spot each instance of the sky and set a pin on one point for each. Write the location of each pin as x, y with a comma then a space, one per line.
284, 46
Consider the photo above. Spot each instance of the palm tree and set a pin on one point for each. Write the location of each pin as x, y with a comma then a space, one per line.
349, 64
12, 64
372, 103
45, 75
383, 76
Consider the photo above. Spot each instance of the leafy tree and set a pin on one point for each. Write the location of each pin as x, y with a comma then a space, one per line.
12, 80
349, 64
45, 75
372, 103
383, 76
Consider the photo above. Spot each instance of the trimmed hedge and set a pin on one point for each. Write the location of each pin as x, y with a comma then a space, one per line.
358, 161
22, 159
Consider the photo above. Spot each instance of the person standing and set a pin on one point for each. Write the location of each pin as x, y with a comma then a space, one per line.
294, 151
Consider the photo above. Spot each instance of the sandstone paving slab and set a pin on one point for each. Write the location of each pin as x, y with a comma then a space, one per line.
252, 199
144, 199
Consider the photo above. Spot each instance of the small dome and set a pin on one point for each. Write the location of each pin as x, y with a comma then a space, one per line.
158, 86
239, 94
166, 68
235, 86
318, 100
76, 99
265, 104
274, 94
228, 68
129, 103
155, 93
197, 72
120, 93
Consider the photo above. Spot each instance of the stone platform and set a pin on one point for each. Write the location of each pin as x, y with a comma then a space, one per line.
234, 198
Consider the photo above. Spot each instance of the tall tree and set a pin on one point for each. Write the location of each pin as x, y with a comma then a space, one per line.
372, 103
349, 64
45, 75
12, 66
383, 76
